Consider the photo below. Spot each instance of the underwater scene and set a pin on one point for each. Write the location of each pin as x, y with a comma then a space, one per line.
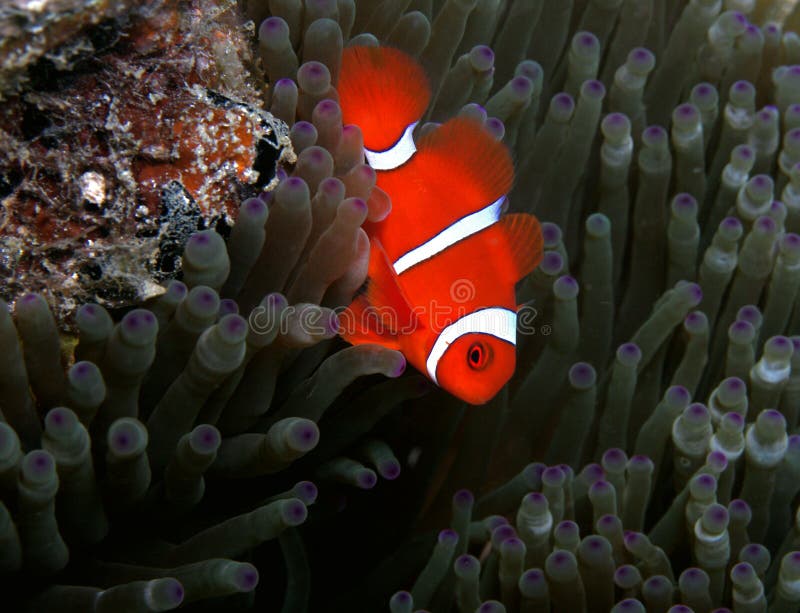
406, 306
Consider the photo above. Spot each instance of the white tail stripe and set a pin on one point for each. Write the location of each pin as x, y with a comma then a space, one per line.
495, 321
396, 155
455, 232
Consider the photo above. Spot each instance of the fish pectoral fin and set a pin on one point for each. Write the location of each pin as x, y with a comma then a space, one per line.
360, 324
384, 290
382, 313
524, 235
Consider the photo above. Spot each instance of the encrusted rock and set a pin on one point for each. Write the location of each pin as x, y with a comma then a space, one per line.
136, 130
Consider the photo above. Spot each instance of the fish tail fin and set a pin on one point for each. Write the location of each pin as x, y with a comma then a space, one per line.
463, 151
381, 313
382, 90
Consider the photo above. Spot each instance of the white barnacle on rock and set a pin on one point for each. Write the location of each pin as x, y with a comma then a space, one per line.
93, 187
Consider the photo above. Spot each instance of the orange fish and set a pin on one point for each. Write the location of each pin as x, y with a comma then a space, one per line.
444, 263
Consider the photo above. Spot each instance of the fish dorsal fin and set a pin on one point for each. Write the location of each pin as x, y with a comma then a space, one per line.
382, 90
463, 152
524, 235
382, 312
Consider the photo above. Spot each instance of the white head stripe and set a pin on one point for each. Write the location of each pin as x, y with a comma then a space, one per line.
396, 155
495, 321
455, 232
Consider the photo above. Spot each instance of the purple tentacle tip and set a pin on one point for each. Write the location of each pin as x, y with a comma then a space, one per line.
552, 262
741, 326
306, 491
305, 435
400, 368
766, 224
82, 369
501, 533
41, 462
614, 455
495, 125
564, 101
235, 325
390, 470
601, 486
732, 223
718, 513
122, 441
200, 239
209, 437
761, 181
551, 233
332, 324
707, 481
246, 577
595, 87
655, 134
207, 296
608, 520
254, 206
697, 410
630, 351
616, 119
561, 558
294, 512
465, 562
366, 479
463, 498
694, 318
57, 417
448, 536
522, 85
272, 24
791, 240
328, 106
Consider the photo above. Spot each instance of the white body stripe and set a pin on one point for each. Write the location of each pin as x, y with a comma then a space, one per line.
495, 321
458, 231
396, 155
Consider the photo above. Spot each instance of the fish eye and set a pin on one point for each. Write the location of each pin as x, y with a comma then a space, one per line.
477, 356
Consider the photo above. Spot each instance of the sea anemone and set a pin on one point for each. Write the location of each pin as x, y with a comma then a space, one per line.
644, 457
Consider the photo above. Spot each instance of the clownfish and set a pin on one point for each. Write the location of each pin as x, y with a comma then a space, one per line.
444, 262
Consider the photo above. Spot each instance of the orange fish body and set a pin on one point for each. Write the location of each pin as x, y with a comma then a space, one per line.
444, 263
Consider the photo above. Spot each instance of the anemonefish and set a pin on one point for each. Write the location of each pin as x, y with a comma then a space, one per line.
444, 263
